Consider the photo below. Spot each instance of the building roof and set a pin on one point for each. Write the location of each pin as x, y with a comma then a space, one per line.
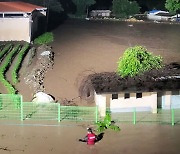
10, 7
165, 79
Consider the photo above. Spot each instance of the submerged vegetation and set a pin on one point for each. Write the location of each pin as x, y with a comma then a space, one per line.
106, 124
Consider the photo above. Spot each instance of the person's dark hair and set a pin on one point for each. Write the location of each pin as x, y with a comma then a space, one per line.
89, 130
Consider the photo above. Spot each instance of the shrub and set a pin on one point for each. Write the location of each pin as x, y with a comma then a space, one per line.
136, 60
106, 123
44, 38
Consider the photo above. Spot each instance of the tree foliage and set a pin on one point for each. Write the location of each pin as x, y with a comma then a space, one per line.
125, 8
136, 60
81, 6
172, 5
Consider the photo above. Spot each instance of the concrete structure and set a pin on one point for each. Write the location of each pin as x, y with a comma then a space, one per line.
100, 13
126, 102
156, 89
21, 21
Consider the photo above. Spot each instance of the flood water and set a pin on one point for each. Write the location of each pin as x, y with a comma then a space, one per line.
83, 47
63, 139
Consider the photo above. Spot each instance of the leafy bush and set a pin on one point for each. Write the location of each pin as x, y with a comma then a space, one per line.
125, 8
136, 60
44, 38
106, 123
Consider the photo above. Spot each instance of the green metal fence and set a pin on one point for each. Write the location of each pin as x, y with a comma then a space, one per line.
13, 108
171, 116
56, 112
10, 106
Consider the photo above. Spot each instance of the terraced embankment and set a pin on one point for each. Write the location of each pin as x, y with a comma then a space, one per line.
11, 54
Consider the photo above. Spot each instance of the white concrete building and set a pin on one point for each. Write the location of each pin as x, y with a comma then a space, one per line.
100, 13
127, 102
21, 21
140, 94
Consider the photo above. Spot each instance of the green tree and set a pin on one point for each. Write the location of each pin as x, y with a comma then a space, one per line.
136, 60
172, 5
81, 6
125, 8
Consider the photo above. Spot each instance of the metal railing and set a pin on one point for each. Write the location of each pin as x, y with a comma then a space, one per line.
12, 107
169, 116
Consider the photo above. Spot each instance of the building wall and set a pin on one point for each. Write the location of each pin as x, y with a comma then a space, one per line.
24, 28
148, 101
100, 13
101, 103
15, 29
171, 99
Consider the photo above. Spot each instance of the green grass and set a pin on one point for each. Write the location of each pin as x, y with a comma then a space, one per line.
44, 38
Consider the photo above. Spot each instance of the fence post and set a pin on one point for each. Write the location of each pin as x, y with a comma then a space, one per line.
21, 108
96, 113
172, 117
59, 112
134, 116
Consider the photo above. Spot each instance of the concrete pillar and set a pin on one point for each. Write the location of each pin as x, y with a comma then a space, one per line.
101, 103
154, 102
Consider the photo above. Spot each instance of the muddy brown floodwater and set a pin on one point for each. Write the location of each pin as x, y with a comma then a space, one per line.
85, 47
132, 139
81, 48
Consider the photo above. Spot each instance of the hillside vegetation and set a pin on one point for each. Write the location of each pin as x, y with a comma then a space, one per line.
11, 55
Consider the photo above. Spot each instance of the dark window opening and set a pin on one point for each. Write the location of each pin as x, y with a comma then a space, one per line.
13, 15
88, 93
114, 96
1, 15
127, 95
138, 95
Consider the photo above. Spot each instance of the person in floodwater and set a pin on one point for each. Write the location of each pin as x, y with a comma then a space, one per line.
90, 138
